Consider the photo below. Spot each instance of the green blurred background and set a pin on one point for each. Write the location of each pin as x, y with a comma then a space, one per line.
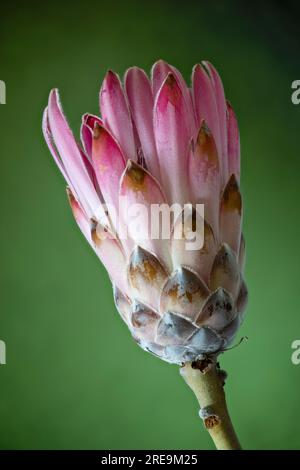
74, 378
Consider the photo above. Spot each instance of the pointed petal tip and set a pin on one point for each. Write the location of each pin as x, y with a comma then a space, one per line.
130, 164
110, 74
137, 255
116, 114
54, 105
198, 68
159, 63
94, 236
183, 293
170, 80
98, 130
133, 177
169, 92
224, 248
143, 317
208, 65
146, 276
205, 65
204, 127
231, 198
99, 232
90, 119
45, 113
84, 118
69, 192
225, 271
133, 70
53, 92
233, 181
204, 131
74, 204
54, 97
225, 255
45, 124
105, 147
206, 144
220, 300
229, 105
109, 81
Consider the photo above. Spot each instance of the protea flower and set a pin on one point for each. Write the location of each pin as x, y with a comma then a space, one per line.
159, 142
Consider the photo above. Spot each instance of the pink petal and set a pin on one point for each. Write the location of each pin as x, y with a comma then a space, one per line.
105, 245
159, 73
143, 193
86, 132
172, 135
80, 217
205, 103
103, 242
221, 107
231, 214
187, 93
111, 254
233, 143
141, 104
49, 140
91, 172
109, 164
115, 114
204, 174
71, 157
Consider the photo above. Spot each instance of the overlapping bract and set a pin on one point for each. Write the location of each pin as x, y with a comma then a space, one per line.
158, 141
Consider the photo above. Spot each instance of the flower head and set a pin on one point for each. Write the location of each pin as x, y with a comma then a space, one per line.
159, 145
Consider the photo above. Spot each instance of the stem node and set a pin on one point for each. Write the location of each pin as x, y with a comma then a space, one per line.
204, 378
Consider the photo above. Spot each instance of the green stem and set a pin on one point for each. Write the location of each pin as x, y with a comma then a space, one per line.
205, 380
